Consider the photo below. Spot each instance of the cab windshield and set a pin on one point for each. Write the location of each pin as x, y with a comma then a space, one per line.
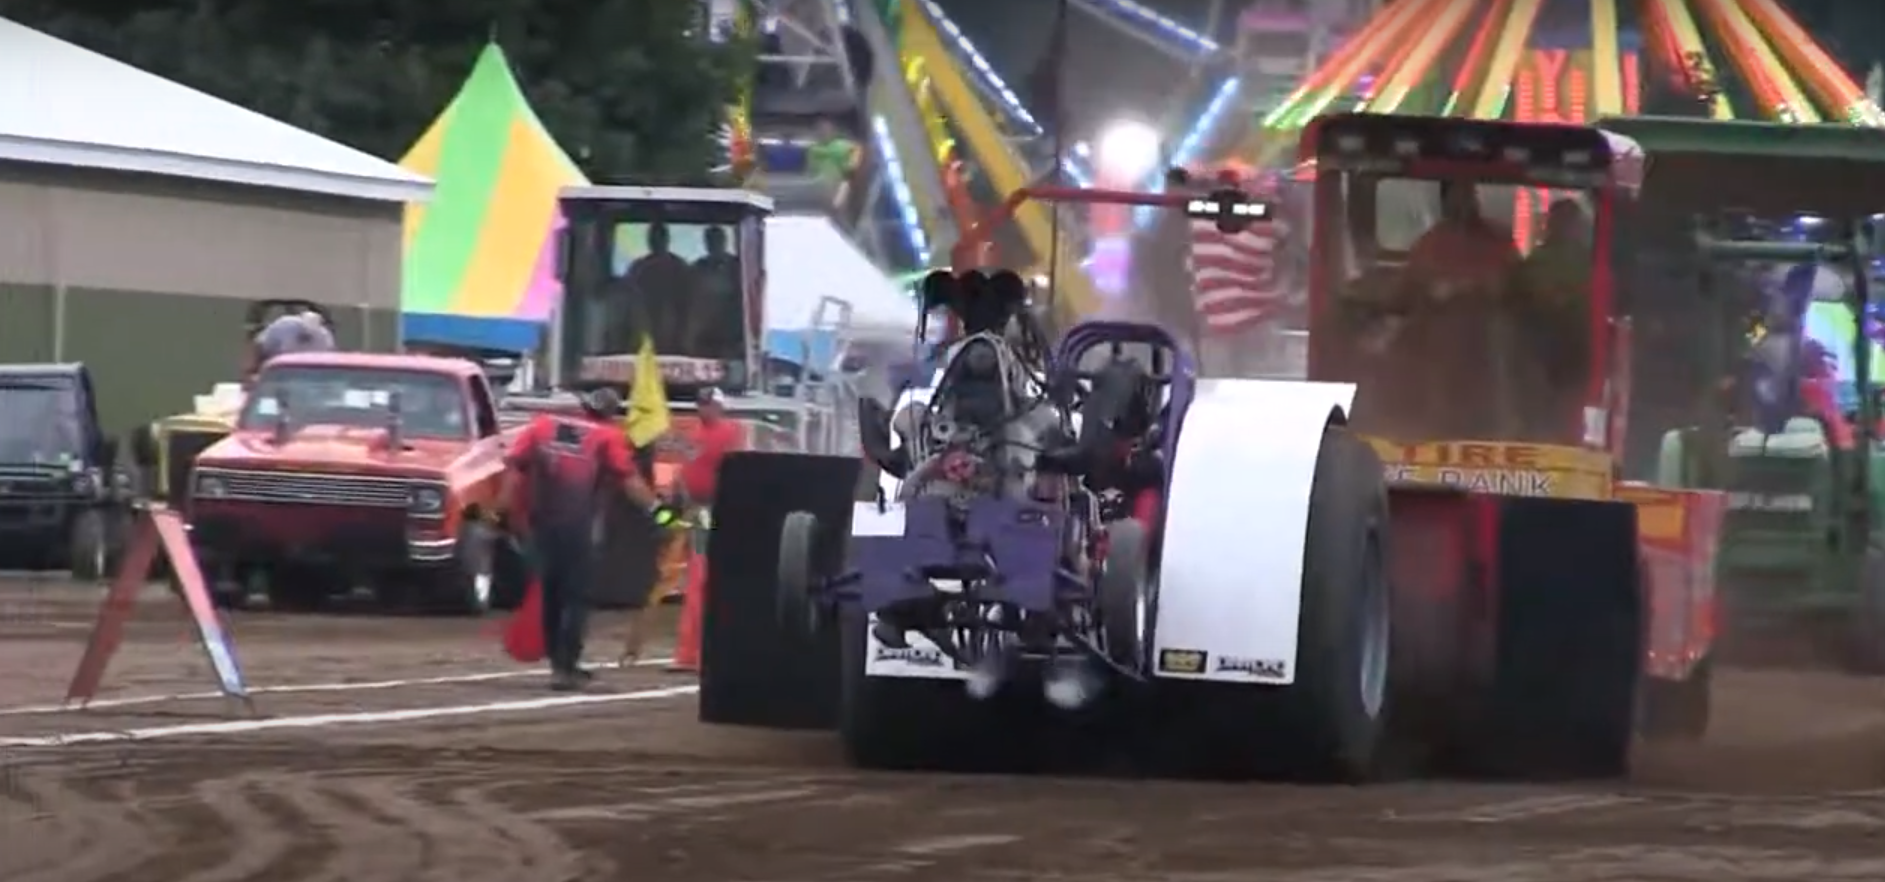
679, 283
429, 405
1462, 310
43, 425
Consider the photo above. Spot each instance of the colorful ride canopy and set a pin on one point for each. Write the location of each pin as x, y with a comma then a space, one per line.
480, 259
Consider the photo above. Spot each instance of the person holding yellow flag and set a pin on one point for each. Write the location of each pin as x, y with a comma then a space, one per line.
645, 422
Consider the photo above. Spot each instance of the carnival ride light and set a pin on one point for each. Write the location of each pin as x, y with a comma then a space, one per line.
1164, 25
984, 71
1477, 54
1780, 97
1798, 48
1606, 58
1421, 58
913, 228
1496, 91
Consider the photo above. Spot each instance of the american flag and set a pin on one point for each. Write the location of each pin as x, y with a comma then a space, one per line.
1234, 281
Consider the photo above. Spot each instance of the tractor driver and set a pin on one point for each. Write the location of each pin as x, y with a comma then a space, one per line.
1552, 300
1464, 254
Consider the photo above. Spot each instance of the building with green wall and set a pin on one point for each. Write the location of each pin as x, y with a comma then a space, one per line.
139, 232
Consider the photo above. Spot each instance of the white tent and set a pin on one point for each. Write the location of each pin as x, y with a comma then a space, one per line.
809, 259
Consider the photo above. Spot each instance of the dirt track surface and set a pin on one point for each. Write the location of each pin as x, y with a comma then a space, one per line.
471, 770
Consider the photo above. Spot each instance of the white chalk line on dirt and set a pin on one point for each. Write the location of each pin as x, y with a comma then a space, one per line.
301, 688
325, 721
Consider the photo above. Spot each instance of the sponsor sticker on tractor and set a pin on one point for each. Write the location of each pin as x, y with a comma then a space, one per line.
1504, 468
1254, 668
922, 658
1182, 661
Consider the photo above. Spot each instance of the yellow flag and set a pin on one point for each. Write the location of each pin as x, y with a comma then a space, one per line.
647, 417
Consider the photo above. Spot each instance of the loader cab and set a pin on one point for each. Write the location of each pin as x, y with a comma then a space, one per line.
681, 267
1459, 275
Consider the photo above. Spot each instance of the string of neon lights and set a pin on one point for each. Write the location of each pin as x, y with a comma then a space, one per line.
1767, 90
1605, 59
1835, 88
900, 192
1413, 60
1477, 54
1490, 102
1165, 25
992, 81
1361, 47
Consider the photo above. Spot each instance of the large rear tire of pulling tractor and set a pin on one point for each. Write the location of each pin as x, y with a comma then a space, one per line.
1333, 723
1339, 708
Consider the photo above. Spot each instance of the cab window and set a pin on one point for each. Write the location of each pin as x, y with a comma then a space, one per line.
1461, 309
680, 283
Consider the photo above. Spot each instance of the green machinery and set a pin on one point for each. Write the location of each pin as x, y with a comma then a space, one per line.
1801, 548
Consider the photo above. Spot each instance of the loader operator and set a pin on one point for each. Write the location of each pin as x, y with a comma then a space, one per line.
561, 472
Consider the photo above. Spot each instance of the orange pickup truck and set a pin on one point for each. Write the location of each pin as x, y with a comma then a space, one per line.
349, 470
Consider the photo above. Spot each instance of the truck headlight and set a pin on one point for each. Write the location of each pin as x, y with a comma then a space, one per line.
211, 487
427, 500
84, 484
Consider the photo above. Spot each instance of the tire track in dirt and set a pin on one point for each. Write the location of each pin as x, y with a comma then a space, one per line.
210, 815
59, 829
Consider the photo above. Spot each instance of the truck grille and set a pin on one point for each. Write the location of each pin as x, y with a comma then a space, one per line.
181, 447
309, 489
31, 483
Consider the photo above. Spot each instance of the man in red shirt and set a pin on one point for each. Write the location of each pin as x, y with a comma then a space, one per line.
561, 473
1455, 282
712, 440
1464, 254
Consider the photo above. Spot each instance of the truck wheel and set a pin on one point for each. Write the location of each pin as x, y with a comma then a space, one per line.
89, 546
1866, 646
797, 576
464, 587
1678, 710
510, 573
1120, 594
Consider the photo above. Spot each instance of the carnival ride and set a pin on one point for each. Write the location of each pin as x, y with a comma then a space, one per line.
951, 137
1532, 62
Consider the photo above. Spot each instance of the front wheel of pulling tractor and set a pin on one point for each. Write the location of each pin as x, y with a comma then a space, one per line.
798, 576
1122, 594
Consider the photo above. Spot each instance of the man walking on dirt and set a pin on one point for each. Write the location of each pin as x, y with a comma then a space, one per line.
561, 473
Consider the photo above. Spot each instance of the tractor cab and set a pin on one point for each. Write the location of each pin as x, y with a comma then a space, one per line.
681, 268
1458, 277
1749, 266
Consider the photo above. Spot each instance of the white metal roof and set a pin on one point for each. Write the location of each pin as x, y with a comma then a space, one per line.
625, 193
64, 105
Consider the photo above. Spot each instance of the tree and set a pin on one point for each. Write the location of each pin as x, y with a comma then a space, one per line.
629, 87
